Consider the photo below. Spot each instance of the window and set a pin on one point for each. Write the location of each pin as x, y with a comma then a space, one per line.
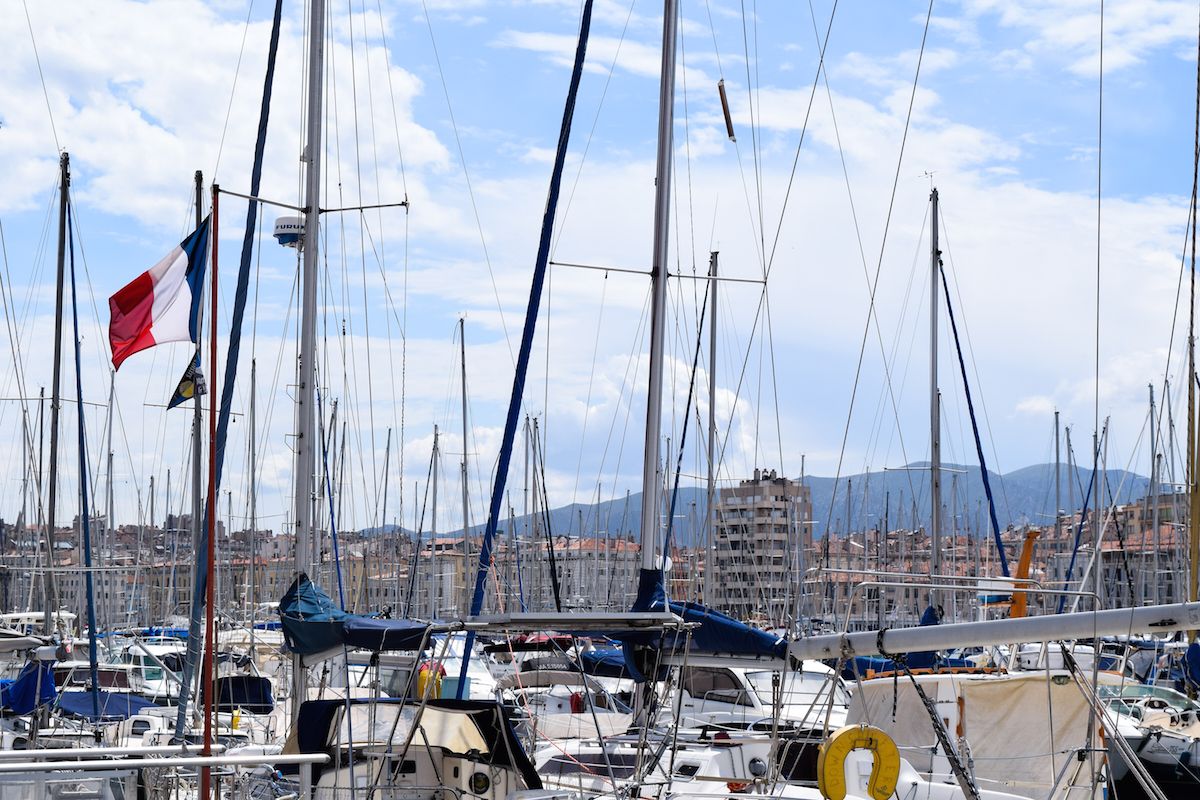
623, 765
718, 685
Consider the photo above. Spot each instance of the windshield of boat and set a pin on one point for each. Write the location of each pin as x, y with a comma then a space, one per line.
799, 688
1135, 692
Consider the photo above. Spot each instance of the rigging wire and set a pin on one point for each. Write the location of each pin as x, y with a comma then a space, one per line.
886, 361
1099, 195
974, 363
879, 263
41, 76
587, 144
767, 264
237, 70
467, 175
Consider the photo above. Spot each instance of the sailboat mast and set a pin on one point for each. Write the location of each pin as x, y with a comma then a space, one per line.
1193, 490
197, 413
305, 440
462, 345
1057, 483
305, 437
935, 402
658, 286
109, 530
48, 594
1154, 483
711, 499
433, 543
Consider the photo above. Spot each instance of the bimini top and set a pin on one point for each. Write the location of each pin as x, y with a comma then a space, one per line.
479, 727
314, 626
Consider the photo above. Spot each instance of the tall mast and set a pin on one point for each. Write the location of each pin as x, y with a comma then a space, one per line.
109, 525
1154, 483
174, 534
305, 403
437, 578
462, 344
1057, 482
658, 286
159, 613
710, 512
253, 599
197, 418
935, 402
1193, 488
49, 596
1192, 459
305, 440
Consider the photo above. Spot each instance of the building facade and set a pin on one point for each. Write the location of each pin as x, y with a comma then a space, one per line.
762, 533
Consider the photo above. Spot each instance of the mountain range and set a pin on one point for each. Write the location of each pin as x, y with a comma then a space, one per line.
1023, 496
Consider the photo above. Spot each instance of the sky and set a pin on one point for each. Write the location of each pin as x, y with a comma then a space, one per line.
820, 205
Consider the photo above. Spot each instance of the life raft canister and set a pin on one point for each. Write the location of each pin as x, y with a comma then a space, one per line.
831, 762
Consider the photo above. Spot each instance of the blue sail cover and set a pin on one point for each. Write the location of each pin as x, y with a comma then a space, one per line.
604, 662
114, 706
249, 693
865, 666
716, 633
33, 687
1191, 665
312, 623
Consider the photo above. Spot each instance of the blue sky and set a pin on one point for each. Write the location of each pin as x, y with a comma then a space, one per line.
1005, 117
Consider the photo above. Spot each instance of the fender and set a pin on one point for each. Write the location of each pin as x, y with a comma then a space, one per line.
831, 762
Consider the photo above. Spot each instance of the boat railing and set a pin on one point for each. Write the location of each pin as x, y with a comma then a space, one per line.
395, 790
100, 753
108, 773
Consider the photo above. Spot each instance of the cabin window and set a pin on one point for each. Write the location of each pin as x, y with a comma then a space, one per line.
719, 685
623, 765
140, 726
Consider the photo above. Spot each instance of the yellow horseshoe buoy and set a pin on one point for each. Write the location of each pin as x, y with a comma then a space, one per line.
831, 762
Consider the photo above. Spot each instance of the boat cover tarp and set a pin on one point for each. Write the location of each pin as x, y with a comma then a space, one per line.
250, 693
501, 746
114, 706
1018, 724
1191, 665
312, 624
604, 662
715, 633
868, 666
373, 633
33, 687
175, 661
168, 632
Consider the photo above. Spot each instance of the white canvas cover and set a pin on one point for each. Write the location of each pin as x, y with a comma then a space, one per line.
1017, 726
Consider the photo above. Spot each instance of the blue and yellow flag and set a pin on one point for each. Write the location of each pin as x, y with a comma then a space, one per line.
190, 385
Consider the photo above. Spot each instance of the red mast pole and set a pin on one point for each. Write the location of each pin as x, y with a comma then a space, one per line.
210, 589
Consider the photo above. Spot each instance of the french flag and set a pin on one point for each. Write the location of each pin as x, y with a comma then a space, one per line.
163, 303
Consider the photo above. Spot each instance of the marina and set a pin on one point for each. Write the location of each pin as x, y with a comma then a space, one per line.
606, 531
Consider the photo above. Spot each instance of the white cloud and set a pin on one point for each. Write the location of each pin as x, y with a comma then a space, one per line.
1067, 32
1036, 405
